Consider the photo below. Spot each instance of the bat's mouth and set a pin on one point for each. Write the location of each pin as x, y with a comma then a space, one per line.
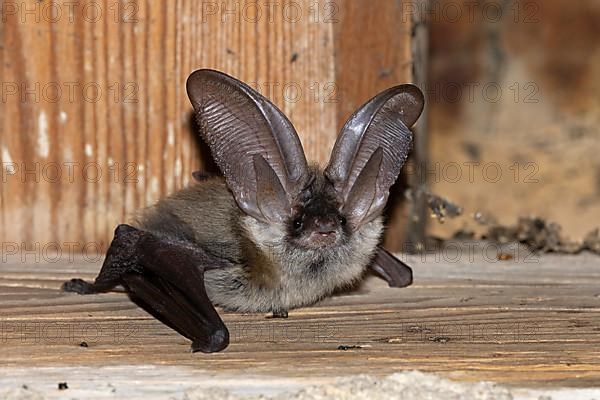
323, 238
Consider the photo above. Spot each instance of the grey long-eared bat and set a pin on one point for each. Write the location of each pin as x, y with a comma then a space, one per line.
275, 233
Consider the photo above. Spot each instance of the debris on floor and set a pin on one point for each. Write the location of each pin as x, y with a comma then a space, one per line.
440, 207
542, 236
538, 234
349, 347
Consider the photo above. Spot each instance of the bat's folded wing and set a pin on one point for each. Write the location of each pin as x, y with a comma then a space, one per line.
166, 278
395, 272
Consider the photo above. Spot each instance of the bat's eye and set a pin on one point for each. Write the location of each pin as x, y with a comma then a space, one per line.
297, 223
342, 220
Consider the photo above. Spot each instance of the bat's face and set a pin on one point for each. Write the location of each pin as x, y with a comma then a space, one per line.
260, 154
317, 222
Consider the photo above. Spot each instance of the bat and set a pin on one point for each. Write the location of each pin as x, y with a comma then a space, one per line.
275, 232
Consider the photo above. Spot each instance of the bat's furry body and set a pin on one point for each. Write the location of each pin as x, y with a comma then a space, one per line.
267, 272
275, 233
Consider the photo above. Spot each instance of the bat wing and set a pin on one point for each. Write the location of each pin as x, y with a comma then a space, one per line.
165, 278
395, 272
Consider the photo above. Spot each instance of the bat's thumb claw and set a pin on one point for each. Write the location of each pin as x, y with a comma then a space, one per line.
123, 229
123, 250
217, 341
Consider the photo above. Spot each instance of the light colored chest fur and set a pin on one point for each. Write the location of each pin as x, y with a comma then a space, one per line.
279, 277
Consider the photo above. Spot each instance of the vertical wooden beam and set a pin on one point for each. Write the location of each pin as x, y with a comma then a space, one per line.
373, 52
418, 210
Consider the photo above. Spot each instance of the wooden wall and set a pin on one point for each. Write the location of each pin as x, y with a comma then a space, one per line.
95, 122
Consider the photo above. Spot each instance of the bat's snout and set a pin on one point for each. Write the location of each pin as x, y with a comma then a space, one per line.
325, 226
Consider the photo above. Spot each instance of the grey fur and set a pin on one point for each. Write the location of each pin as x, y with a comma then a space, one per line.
274, 233
269, 273
291, 234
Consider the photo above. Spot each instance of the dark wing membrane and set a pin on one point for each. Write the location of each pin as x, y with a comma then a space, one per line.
395, 272
165, 278
239, 124
381, 123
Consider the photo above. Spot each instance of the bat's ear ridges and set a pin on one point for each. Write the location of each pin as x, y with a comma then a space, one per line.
383, 123
239, 124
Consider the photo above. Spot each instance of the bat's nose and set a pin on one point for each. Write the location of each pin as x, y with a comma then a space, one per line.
325, 226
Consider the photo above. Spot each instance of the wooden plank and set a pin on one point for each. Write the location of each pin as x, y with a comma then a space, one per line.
515, 322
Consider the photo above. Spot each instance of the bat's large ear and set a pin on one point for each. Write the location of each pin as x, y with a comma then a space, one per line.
252, 142
371, 149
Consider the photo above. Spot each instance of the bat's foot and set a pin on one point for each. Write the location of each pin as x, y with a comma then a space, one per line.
78, 286
279, 314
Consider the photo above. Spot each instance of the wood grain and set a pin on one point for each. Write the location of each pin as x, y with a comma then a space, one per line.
98, 88
524, 322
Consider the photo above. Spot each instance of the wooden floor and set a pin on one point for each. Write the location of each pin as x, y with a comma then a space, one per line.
529, 321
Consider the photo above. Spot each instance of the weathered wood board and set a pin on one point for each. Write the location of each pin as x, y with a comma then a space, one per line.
532, 321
